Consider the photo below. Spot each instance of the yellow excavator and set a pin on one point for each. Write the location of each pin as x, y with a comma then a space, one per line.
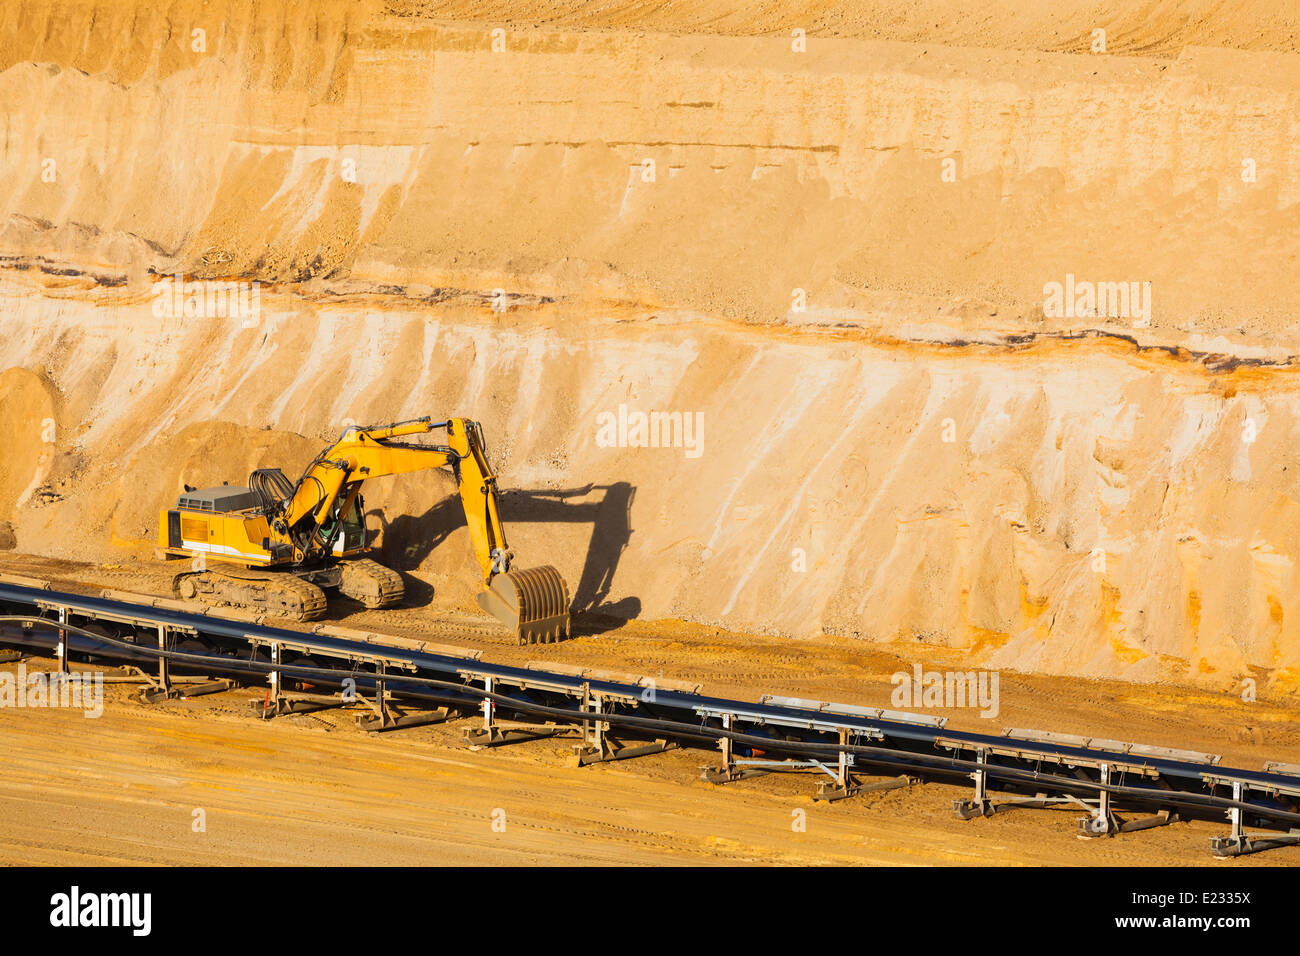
282, 544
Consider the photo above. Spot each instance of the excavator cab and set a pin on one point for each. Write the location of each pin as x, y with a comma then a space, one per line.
345, 535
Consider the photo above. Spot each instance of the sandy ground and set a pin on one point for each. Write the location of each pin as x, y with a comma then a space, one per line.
313, 789
123, 788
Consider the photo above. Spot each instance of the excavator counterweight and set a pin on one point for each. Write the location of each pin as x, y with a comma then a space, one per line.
281, 544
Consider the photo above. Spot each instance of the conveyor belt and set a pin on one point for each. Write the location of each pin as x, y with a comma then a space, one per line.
1031, 768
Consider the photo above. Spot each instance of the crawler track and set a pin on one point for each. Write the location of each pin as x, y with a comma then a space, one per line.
281, 594
371, 583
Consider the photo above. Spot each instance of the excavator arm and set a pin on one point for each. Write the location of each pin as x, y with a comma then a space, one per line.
479, 497
337, 473
532, 601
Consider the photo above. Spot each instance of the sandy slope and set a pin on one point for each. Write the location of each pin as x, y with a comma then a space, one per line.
1072, 507
950, 465
403, 151
1160, 28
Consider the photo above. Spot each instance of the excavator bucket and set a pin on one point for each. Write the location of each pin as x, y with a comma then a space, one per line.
533, 602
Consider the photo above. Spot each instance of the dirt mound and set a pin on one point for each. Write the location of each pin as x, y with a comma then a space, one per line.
201, 455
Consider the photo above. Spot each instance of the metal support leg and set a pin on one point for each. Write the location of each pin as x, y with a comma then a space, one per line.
496, 732
383, 718
381, 696
727, 746
727, 771
161, 685
388, 717
594, 747
279, 702
274, 678
165, 687
1235, 815
593, 731
1241, 843
980, 806
164, 683
598, 745
1102, 822
844, 784
273, 704
62, 650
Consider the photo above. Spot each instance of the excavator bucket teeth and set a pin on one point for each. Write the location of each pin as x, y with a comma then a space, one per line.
533, 602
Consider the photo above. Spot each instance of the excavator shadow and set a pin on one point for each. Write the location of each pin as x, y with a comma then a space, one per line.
408, 540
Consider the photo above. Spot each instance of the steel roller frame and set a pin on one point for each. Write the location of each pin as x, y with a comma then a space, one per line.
437, 682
